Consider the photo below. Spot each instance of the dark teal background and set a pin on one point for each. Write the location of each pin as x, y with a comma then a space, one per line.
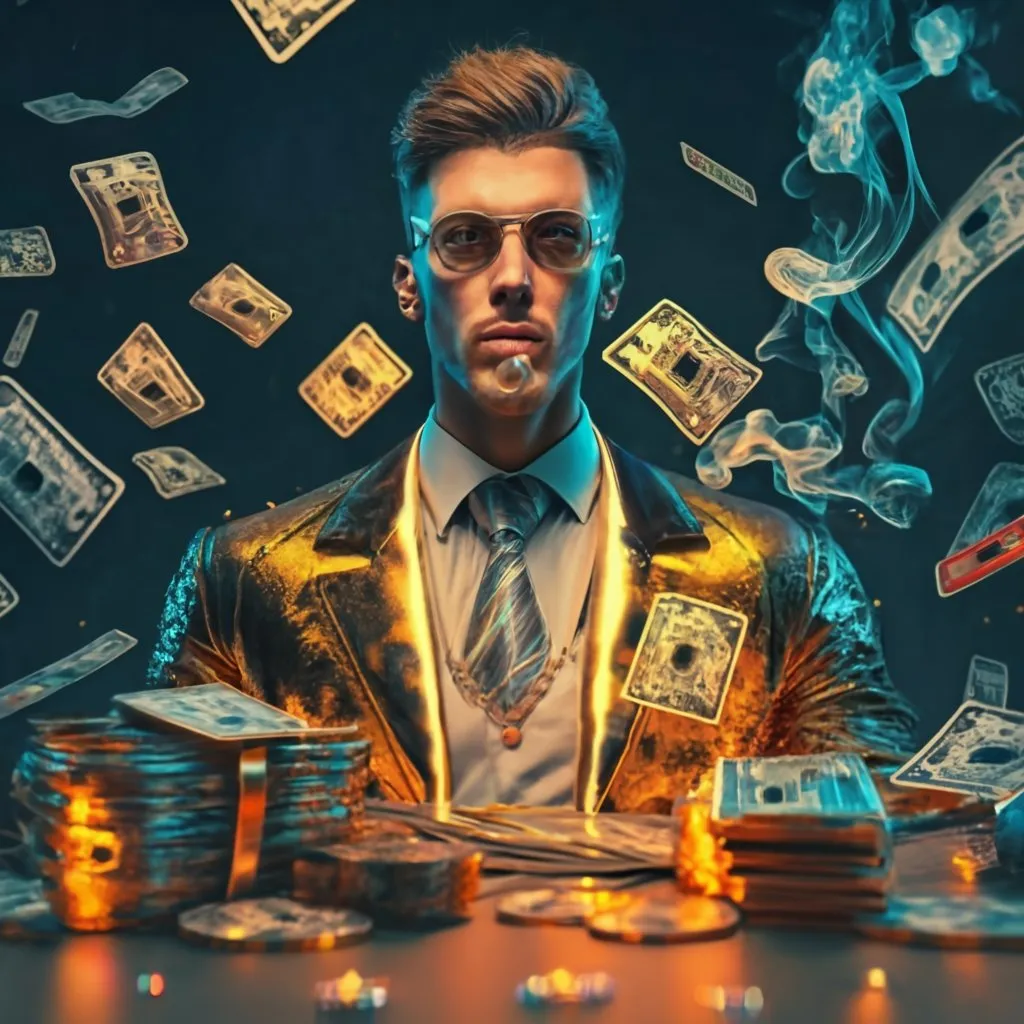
286, 171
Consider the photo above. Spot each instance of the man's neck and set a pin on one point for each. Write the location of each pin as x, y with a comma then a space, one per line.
506, 442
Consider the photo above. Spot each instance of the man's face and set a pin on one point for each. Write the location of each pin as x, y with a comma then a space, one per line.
514, 291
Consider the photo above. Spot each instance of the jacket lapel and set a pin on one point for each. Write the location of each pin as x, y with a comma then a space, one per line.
381, 614
639, 512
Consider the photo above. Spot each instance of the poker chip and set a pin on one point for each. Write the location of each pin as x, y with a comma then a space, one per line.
969, 921
686, 919
565, 907
563, 988
272, 925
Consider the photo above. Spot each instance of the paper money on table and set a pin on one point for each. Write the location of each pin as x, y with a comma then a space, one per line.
128, 201
55, 490
70, 669
219, 712
283, 27
175, 472
8, 596
988, 681
66, 107
547, 841
980, 751
146, 379
720, 175
982, 230
686, 657
20, 339
681, 365
1002, 387
354, 381
992, 534
26, 252
243, 305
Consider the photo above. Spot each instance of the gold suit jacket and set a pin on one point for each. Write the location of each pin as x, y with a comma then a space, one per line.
319, 606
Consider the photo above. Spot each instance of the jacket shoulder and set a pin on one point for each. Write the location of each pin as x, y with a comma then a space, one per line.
243, 538
769, 531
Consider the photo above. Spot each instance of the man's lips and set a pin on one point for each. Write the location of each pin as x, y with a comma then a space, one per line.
505, 347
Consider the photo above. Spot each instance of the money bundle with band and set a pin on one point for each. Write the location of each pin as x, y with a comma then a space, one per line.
128, 822
396, 880
807, 837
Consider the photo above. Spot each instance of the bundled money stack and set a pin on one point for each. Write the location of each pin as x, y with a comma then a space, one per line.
807, 837
128, 823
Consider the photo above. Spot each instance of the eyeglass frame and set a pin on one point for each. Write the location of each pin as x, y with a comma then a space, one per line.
426, 231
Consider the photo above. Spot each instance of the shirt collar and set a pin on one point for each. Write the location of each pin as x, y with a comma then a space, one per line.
449, 470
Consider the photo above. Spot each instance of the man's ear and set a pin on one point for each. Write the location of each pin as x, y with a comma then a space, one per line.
613, 277
403, 280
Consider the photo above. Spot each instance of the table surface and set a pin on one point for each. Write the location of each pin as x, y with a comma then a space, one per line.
468, 974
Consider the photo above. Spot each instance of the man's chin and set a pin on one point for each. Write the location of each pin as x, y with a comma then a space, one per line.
489, 395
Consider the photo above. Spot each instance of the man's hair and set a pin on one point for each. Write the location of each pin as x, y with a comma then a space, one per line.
512, 98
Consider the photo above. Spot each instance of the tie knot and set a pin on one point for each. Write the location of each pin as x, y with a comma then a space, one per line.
516, 503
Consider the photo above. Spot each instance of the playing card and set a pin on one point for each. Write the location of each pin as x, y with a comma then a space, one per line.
354, 381
243, 305
283, 27
8, 596
720, 175
988, 682
979, 751
1002, 387
146, 379
686, 656
26, 252
128, 201
175, 471
695, 378
218, 712
49, 484
990, 538
69, 669
20, 338
982, 230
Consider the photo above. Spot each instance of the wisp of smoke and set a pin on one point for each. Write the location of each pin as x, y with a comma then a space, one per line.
850, 99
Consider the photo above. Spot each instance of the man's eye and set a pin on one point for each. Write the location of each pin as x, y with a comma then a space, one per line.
568, 232
462, 236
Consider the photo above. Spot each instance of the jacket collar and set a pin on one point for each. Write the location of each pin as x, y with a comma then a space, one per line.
366, 514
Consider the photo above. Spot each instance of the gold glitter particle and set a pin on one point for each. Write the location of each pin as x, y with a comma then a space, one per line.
1019, 609
227, 513
876, 978
271, 504
986, 620
81, 622
877, 603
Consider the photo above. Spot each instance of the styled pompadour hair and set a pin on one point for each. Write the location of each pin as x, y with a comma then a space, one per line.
512, 98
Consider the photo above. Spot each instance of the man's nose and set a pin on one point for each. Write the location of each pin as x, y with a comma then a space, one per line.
510, 281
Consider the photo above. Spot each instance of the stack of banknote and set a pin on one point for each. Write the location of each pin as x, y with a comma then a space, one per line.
807, 837
180, 797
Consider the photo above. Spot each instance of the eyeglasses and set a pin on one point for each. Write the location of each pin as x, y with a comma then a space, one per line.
466, 241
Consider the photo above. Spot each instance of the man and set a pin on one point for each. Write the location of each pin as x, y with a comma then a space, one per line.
474, 599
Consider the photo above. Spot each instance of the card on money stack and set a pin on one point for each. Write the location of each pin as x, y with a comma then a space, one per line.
217, 711
808, 835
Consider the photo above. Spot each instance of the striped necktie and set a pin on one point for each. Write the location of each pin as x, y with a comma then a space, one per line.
507, 644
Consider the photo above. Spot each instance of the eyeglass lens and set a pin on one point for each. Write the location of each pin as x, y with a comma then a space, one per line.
556, 239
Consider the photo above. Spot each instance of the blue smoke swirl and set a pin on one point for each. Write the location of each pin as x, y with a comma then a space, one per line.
850, 100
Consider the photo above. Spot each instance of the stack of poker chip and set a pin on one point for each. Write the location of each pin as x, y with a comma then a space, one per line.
396, 880
128, 825
806, 837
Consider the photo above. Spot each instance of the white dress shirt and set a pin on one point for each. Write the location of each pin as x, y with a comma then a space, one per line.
541, 771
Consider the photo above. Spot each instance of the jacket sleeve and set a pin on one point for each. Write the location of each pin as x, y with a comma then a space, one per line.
194, 642
832, 688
